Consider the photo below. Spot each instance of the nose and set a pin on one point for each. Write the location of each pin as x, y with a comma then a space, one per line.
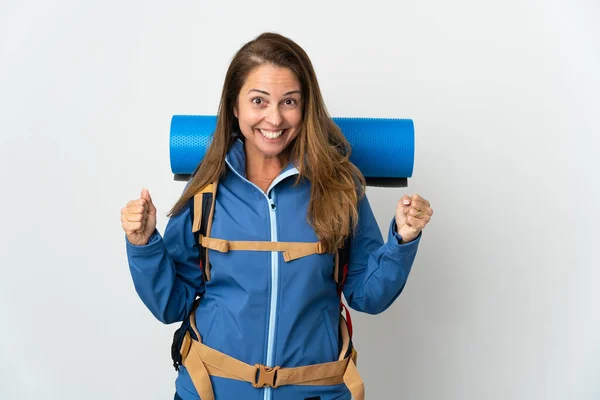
273, 116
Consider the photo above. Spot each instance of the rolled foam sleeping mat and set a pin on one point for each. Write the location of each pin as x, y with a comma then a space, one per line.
382, 148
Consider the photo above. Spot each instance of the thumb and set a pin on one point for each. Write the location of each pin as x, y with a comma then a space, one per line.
401, 213
146, 196
406, 200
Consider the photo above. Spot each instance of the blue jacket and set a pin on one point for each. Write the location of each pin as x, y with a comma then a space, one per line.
256, 307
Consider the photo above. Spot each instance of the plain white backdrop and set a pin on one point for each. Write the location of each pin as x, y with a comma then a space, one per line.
503, 302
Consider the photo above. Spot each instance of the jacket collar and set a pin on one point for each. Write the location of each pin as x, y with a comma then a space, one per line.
236, 160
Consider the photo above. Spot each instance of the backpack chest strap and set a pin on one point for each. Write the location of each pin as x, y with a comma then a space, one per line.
291, 250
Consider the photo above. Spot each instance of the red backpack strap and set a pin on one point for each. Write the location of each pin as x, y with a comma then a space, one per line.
342, 259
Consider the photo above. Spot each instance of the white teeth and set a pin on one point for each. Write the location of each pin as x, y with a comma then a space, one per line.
270, 134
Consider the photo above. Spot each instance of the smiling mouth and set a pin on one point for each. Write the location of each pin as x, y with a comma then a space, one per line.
271, 135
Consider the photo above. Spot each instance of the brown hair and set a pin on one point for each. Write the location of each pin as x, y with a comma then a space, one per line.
320, 151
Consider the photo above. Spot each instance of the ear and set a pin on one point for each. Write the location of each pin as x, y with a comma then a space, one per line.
235, 113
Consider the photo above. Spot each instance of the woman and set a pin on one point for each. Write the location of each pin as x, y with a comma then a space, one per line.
283, 175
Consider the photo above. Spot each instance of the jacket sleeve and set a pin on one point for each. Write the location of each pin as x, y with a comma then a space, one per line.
166, 271
377, 272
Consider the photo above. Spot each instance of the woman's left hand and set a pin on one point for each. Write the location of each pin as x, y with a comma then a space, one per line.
412, 214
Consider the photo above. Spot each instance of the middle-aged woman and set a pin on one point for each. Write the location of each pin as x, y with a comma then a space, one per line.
284, 176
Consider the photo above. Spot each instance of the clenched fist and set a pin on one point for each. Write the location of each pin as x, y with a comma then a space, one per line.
138, 219
412, 214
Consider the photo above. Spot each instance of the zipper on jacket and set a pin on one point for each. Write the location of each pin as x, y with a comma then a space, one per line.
274, 292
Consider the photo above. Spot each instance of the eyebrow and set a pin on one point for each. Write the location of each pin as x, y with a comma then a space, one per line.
267, 93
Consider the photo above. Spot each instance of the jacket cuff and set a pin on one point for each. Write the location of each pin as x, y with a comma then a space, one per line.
396, 240
153, 243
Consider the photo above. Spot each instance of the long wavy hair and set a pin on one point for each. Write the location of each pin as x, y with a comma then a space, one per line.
320, 151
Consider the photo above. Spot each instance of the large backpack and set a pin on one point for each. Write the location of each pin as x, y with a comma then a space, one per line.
202, 207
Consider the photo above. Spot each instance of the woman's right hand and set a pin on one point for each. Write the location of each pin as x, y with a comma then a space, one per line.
138, 219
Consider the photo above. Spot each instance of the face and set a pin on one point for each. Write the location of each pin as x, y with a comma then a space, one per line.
269, 111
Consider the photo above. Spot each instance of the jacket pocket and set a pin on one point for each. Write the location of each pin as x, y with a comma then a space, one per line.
329, 328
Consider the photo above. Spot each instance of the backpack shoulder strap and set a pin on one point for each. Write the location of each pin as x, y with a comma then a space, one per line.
202, 207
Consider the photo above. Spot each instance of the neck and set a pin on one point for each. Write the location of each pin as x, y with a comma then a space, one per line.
262, 170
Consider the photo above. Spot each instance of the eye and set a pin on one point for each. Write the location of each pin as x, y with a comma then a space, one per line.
258, 101
291, 102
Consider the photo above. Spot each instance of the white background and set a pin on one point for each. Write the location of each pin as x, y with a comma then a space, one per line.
503, 302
